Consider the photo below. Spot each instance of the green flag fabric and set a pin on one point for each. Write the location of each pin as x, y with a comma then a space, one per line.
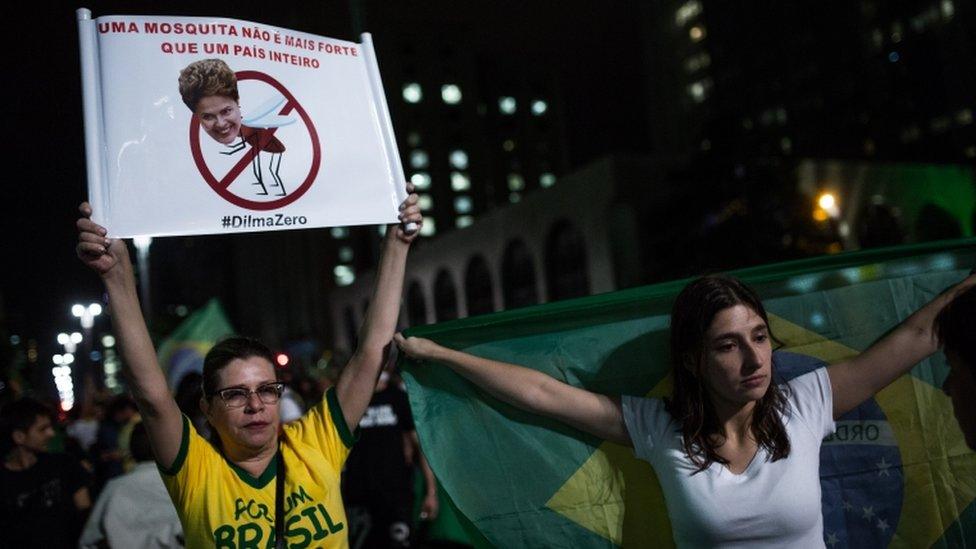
183, 351
896, 473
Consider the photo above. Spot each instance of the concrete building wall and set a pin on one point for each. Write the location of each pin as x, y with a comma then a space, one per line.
584, 199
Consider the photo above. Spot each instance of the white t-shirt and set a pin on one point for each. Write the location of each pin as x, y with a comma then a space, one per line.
770, 504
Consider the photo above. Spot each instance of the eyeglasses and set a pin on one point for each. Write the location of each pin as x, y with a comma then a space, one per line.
235, 397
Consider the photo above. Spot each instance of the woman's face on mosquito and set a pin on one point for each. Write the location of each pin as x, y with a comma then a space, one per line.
220, 117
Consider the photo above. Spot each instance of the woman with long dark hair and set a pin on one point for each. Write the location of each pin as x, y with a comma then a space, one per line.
736, 452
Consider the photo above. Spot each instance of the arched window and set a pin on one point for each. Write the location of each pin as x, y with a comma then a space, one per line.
518, 276
445, 297
477, 287
566, 272
416, 306
878, 225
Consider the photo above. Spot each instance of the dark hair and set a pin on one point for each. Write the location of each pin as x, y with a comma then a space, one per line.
19, 415
956, 324
139, 445
204, 78
691, 316
118, 404
226, 351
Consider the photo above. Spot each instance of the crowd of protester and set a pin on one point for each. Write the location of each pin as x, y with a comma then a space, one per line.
87, 478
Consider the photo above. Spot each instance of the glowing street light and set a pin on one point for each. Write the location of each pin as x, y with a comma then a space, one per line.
86, 314
829, 204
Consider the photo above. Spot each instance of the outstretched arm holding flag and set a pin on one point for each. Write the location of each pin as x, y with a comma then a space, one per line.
856, 380
723, 447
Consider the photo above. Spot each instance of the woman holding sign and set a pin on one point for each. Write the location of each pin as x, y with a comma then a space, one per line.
260, 483
737, 452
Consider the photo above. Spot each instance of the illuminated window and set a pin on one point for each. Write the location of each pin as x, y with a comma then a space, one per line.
515, 182
896, 32
462, 204
344, 275
420, 180
412, 92
964, 117
419, 159
345, 254
687, 12
458, 159
547, 180
539, 107
697, 33
451, 94
508, 145
697, 91
460, 181
428, 228
940, 124
425, 201
697, 62
948, 9
514, 198
339, 232
877, 38
894, 57
463, 221
506, 105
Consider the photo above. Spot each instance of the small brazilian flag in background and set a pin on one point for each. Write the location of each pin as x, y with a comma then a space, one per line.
896, 473
183, 351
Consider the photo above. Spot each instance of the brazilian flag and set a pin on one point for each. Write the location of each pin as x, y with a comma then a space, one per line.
896, 473
183, 351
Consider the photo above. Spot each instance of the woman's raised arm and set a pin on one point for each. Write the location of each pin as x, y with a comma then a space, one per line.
858, 379
110, 259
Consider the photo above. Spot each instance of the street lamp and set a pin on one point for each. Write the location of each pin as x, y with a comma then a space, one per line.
87, 317
86, 314
142, 244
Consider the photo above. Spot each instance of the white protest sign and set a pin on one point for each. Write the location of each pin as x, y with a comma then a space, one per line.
205, 125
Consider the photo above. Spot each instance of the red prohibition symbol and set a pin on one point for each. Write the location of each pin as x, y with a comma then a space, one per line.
221, 186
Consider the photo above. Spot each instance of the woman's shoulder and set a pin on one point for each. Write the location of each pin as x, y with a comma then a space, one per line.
647, 412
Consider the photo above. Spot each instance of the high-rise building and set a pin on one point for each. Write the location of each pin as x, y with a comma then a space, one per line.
854, 80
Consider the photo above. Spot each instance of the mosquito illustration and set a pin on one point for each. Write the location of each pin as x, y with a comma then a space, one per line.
255, 132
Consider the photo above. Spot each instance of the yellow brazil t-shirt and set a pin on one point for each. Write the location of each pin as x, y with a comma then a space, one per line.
223, 506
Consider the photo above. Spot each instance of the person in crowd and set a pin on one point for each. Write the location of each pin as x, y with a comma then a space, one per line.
737, 452
84, 425
257, 482
377, 484
108, 454
956, 326
292, 406
134, 510
43, 496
